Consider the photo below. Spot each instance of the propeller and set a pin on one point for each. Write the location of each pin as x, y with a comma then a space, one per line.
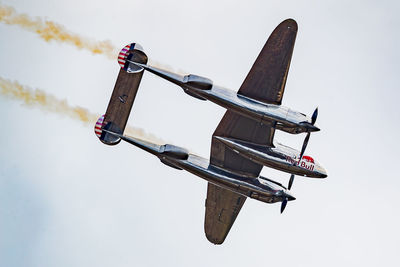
291, 181
284, 203
314, 116
305, 143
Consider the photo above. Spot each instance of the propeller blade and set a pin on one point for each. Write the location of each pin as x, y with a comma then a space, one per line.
291, 181
305, 143
283, 206
314, 116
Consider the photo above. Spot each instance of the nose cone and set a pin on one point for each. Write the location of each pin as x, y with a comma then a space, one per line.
309, 126
312, 128
321, 172
289, 196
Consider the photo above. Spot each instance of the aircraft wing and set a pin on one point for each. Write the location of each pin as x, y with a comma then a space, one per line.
222, 205
222, 208
267, 78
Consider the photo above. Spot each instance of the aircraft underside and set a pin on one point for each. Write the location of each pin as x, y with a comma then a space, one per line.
242, 143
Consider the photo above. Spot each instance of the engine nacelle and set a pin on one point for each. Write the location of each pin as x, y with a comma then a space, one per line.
174, 151
197, 82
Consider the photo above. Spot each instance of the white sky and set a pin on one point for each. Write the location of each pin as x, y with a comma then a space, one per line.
68, 200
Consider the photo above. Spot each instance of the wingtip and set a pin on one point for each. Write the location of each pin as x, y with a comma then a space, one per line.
290, 23
215, 241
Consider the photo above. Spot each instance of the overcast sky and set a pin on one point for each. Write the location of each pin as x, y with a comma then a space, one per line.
68, 200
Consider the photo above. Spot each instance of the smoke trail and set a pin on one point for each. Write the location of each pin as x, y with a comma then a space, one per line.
47, 102
48, 30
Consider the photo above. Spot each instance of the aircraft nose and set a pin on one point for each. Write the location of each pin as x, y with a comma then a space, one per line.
289, 196
309, 127
312, 128
322, 172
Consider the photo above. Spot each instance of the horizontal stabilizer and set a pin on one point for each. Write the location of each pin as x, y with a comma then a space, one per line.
123, 95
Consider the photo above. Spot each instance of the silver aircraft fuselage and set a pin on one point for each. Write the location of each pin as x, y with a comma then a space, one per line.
202, 88
259, 188
279, 157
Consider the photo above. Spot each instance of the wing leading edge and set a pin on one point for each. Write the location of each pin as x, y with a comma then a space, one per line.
267, 77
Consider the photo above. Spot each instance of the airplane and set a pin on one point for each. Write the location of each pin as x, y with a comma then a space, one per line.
240, 145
